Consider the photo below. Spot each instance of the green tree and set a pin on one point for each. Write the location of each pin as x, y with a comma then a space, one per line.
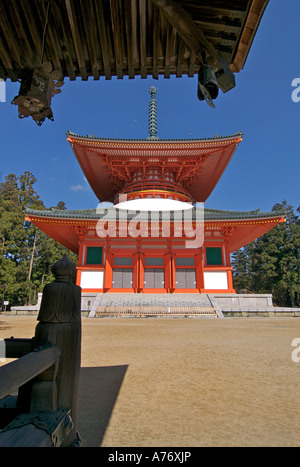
271, 264
27, 254
240, 264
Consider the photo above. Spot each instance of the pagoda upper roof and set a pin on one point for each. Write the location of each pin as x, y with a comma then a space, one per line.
108, 164
242, 227
160, 140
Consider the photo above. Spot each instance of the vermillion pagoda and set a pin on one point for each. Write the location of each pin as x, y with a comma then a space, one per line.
157, 238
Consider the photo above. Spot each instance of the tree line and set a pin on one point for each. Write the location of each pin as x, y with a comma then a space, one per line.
26, 253
270, 264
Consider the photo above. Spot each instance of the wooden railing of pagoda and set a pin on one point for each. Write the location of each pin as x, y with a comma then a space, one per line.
163, 311
45, 371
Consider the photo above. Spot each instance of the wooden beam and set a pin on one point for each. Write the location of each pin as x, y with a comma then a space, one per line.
217, 11
5, 56
13, 52
143, 35
76, 39
64, 38
117, 39
192, 64
51, 40
36, 35
180, 58
90, 35
130, 13
155, 46
20, 32
169, 42
15, 374
219, 26
103, 38
249, 30
182, 21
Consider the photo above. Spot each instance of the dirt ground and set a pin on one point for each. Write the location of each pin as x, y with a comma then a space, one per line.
185, 382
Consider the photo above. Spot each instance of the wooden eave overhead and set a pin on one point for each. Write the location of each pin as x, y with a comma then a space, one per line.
120, 38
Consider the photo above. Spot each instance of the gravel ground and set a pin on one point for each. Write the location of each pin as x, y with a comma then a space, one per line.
185, 382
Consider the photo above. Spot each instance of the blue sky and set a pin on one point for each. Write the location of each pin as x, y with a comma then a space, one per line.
264, 169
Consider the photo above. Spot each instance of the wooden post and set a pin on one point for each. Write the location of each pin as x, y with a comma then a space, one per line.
60, 323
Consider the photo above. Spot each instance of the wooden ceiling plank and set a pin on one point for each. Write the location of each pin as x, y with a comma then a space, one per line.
169, 41
90, 35
2, 71
5, 56
115, 18
143, 35
103, 38
76, 39
35, 34
192, 64
20, 30
51, 40
180, 53
218, 11
10, 38
130, 35
156, 29
219, 26
63, 37
188, 30
135, 26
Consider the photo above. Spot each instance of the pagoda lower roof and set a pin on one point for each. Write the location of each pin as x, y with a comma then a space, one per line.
110, 213
198, 164
239, 227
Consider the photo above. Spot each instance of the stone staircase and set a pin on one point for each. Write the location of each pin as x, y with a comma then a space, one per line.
143, 305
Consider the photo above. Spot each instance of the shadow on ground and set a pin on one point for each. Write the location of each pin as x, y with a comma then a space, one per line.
98, 392
4, 326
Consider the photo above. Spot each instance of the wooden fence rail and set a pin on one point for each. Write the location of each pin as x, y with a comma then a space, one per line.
19, 372
138, 311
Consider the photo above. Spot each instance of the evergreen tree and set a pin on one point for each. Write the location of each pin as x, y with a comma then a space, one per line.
271, 264
240, 264
26, 253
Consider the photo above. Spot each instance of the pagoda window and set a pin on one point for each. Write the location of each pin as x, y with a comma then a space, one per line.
123, 261
94, 255
151, 261
214, 256
189, 261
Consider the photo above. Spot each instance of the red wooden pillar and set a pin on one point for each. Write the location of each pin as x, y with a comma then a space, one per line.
199, 270
168, 271
80, 261
135, 272
172, 272
230, 281
229, 270
141, 271
108, 271
81, 253
78, 277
